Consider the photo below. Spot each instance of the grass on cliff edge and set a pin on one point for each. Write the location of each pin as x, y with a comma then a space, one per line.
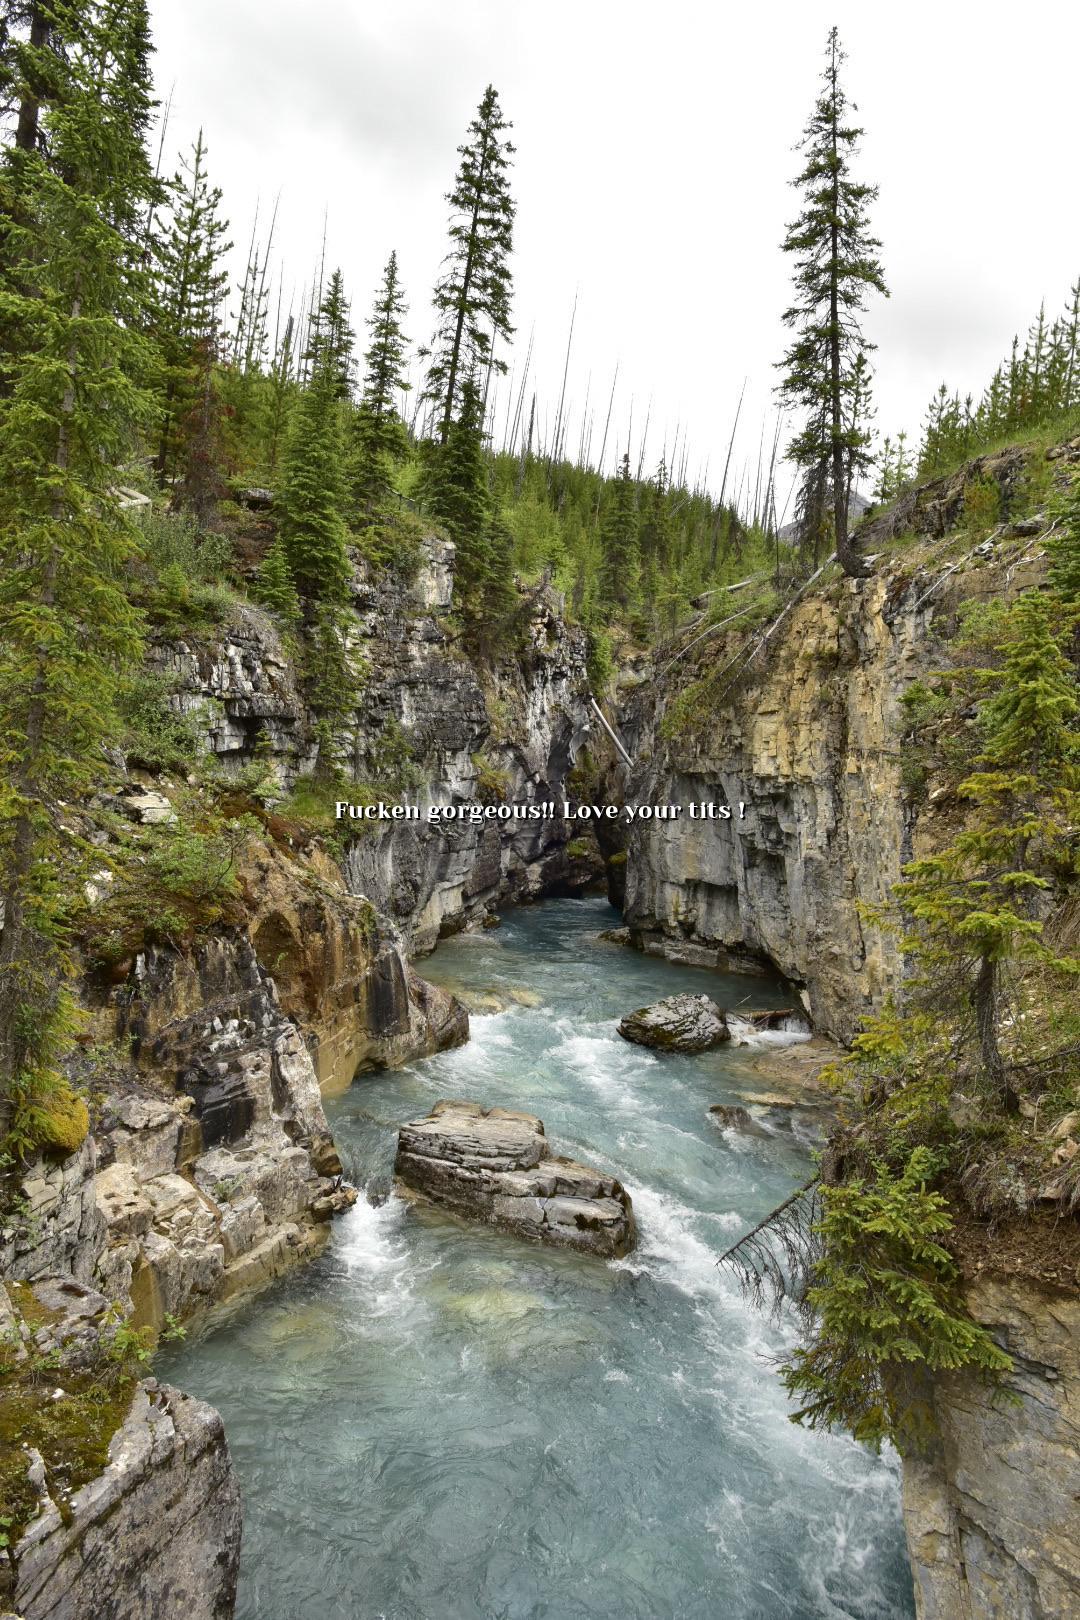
69, 1417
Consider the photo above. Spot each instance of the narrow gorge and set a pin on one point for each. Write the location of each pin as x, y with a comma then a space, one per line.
230, 1132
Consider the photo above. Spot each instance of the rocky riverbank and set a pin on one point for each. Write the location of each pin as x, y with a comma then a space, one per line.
208, 1168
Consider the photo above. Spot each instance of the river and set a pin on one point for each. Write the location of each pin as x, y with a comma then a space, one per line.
435, 1421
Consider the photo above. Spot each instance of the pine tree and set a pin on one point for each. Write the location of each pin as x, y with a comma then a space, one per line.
836, 265
973, 905
472, 296
380, 435
312, 492
620, 555
275, 586
65, 420
191, 284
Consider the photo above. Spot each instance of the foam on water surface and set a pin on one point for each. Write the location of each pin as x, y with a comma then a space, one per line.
439, 1420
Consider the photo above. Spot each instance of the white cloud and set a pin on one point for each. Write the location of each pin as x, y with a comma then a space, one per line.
654, 151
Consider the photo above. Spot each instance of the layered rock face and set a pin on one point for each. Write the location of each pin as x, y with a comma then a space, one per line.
153, 1537
991, 1516
808, 741
496, 1164
512, 730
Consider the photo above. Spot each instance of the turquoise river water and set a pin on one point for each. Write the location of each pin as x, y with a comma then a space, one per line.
435, 1421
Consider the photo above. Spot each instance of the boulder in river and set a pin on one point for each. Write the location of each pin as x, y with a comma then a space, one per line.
495, 1164
682, 1023
730, 1117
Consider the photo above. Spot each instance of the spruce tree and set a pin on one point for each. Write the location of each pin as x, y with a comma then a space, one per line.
275, 586
472, 297
836, 265
973, 904
191, 283
380, 435
312, 493
333, 337
66, 418
620, 557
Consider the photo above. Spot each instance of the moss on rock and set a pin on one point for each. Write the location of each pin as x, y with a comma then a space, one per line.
63, 1123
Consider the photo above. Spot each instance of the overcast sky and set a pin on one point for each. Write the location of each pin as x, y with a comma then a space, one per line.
654, 155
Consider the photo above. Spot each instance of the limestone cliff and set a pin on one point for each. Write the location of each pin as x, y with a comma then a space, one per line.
510, 726
808, 740
991, 1515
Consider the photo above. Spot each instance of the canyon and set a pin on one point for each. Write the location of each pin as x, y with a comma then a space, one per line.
210, 1169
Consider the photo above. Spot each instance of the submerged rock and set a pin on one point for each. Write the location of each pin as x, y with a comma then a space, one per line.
496, 1164
730, 1117
677, 1024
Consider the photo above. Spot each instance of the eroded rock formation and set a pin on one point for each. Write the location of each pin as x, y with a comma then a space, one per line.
991, 1515
495, 1164
156, 1535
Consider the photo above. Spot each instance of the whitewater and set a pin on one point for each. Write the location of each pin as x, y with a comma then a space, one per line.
437, 1421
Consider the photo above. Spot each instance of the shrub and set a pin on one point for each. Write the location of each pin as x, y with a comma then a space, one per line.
886, 1298
156, 734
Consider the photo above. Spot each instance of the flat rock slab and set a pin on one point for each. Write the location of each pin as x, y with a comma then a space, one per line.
496, 1165
682, 1023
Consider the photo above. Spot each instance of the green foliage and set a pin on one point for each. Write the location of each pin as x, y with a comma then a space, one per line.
472, 296
888, 1310
619, 572
394, 543
826, 370
492, 782
74, 288
599, 660
312, 495
971, 905
1064, 547
380, 437
153, 732
189, 285
63, 1122
982, 504
181, 573
332, 677
1038, 386
456, 494
275, 587
173, 881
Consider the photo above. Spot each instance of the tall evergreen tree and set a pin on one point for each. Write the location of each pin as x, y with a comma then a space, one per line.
191, 282
620, 552
472, 296
380, 435
312, 495
836, 264
332, 338
65, 421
